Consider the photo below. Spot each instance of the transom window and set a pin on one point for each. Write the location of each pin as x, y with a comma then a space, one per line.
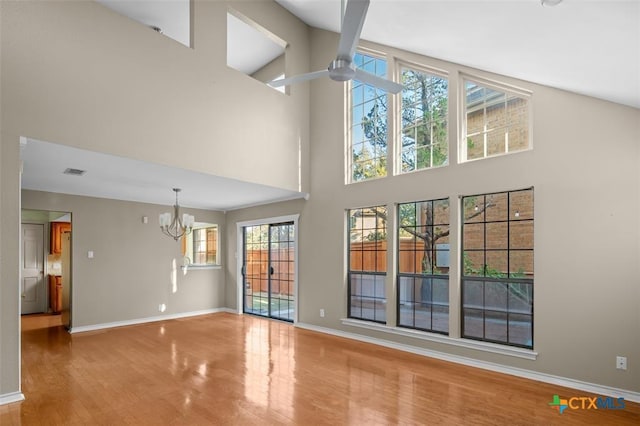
497, 267
367, 263
423, 265
368, 124
424, 139
495, 121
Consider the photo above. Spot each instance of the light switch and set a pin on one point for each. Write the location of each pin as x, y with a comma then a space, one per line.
90, 254
145, 219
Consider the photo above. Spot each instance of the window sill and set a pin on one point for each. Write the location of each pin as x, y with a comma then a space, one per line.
190, 267
374, 178
503, 154
424, 169
438, 338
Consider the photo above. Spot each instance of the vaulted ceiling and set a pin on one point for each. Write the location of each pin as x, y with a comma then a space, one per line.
587, 47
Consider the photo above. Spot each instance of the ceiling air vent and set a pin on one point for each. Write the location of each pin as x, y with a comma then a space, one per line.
74, 172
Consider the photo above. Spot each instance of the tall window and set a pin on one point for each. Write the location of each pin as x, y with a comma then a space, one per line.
423, 265
201, 245
495, 121
367, 263
368, 124
424, 120
497, 259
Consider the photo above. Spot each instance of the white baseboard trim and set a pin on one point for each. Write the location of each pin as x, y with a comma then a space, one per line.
439, 338
499, 368
94, 327
10, 398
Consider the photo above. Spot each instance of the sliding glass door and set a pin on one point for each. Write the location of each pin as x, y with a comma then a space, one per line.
268, 270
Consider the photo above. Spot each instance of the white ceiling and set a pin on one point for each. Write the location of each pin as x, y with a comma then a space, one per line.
109, 176
590, 47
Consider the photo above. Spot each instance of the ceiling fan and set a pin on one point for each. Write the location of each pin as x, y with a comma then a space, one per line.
343, 68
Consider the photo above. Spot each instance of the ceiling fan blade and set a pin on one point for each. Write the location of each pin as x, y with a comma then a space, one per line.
379, 82
352, 23
298, 78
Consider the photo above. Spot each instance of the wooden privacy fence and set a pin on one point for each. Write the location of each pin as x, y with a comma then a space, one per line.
257, 271
371, 256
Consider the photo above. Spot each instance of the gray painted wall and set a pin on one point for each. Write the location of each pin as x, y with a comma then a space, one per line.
79, 74
9, 263
130, 274
584, 167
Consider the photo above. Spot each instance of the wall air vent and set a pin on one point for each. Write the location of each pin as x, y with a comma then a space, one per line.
74, 172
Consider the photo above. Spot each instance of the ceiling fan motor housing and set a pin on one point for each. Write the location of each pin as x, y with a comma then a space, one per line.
342, 70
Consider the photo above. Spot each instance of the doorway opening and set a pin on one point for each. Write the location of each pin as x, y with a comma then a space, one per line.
268, 272
45, 257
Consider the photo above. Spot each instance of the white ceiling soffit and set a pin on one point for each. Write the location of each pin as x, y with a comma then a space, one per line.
109, 176
250, 47
587, 47
172, 17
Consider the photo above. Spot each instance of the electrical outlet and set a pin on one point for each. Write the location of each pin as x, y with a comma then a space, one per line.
621, 362
321, 313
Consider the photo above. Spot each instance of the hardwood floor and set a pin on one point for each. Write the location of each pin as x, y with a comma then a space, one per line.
242, 370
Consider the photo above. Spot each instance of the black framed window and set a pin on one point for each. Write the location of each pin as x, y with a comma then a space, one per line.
497, 267
367, 263
423, 265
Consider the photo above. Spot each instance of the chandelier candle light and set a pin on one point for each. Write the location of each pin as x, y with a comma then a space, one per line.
175, 227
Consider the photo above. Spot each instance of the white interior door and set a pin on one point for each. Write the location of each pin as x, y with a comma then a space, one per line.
33, 288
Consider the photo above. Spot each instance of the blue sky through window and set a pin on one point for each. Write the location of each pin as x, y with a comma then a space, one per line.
368, 122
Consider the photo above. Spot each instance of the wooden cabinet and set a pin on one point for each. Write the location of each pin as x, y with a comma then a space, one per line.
57, 229
55, 293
